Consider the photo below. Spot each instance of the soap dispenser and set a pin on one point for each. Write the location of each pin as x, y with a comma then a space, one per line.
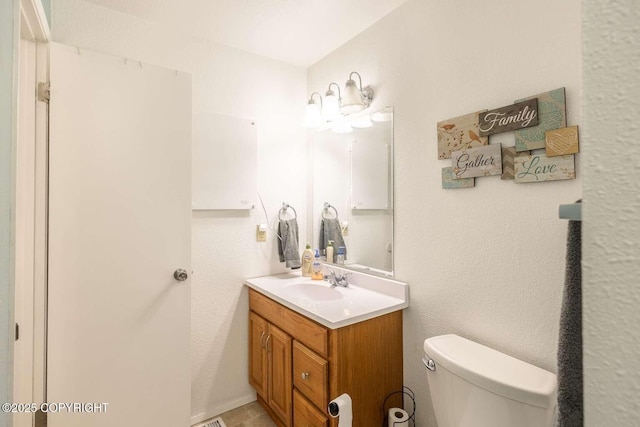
316, 267
330, 252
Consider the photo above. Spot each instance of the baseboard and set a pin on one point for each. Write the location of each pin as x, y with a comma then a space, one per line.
217, 410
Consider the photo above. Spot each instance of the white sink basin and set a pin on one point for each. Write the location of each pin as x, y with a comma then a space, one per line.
366, 297
313, 291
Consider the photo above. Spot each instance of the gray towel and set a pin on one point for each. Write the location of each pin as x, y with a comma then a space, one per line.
288, 243
330, 229
570, 382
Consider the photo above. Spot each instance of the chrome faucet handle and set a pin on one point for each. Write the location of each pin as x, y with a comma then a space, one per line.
342, 280
332, 278
329, 275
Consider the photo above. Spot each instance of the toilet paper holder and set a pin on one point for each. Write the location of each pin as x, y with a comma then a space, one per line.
340, 408
405, 391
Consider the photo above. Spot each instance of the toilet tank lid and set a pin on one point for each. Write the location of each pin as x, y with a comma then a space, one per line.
492, 370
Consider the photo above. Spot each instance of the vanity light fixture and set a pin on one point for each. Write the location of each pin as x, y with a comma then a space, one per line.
331, 107
313, 116
341, 126
355, 97
384, 115
362, 122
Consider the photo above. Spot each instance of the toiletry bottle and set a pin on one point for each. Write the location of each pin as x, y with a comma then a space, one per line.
340, 257
316, 267
307, 260
330, 252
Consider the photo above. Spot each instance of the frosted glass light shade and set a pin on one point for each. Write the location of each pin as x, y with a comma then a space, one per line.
331, 107
362, 122
341, 126
351, 99
385, 115
312, 116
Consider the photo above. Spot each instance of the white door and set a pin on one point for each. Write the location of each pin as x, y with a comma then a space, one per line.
25, 233
119, 226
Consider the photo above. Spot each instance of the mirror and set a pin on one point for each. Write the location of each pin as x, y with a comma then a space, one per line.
353, 182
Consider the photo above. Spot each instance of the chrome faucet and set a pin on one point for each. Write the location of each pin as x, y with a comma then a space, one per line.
337, 279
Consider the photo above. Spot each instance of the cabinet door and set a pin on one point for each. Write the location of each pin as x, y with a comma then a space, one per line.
257, 354
279, 383
305, 414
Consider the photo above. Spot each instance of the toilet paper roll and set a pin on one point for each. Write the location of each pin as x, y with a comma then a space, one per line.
341, 407
398, 418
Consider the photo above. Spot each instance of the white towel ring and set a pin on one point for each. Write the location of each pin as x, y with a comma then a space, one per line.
284, 208
327, 206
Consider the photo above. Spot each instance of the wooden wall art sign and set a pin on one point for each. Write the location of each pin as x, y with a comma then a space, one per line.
540, 168
508, 154
480, 161
552, 114
561, 142
449, 183
517, 116
459, 133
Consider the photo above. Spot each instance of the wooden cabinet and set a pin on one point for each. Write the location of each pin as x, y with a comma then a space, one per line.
305, 414
297, 365
270, 366
311, 375
257, 354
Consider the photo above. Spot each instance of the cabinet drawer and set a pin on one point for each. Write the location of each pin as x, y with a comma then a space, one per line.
305, 414
307, 331
310, 375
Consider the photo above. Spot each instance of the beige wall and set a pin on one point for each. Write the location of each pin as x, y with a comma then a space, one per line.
611, 230
224, 248
486, 263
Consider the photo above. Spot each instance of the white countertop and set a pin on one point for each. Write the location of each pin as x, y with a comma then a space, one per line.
366, 297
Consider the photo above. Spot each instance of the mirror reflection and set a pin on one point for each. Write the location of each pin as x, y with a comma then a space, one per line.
353, 191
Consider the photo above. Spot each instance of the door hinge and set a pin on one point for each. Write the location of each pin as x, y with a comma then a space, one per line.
17, 332
44, 92
40, 419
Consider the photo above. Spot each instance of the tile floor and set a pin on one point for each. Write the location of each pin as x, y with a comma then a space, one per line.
250, 415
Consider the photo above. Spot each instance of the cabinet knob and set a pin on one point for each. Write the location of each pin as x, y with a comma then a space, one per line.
305, 375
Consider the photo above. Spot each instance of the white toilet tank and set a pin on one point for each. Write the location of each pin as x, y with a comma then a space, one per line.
475, 386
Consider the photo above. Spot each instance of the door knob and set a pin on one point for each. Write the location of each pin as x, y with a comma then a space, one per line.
180, 275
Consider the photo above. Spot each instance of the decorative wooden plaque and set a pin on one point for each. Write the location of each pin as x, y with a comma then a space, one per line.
517, 116
540, 168
552, 115
563, 141
508, 155
480, 161
459, 133
448, 182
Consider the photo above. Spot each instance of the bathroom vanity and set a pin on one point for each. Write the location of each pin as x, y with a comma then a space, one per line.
310, 342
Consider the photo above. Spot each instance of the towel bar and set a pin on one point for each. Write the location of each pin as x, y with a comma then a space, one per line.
284, 208
571, 212
327, 206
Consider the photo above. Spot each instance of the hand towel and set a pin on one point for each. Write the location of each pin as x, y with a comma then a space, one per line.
288, 243
330, 229
570, 379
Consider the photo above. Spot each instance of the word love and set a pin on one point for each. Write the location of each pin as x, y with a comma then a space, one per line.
517, 116
480, 161
540, 168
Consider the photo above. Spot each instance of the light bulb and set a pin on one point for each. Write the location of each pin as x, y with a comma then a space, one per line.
312, 116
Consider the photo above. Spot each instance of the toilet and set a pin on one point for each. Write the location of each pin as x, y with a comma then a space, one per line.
475, 386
